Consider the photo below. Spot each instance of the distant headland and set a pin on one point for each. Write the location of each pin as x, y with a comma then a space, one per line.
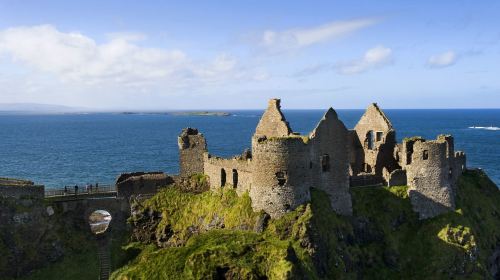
184, 113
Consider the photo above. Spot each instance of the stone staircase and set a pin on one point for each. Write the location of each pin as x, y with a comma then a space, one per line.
104, 258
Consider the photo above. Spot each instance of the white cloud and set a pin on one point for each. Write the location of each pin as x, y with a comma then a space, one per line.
302, 37
442, 60
74, 57
373, 58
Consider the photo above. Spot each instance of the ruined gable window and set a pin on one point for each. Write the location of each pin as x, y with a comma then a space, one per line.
325, 163
425, 155
380, 134
369, 140
222, 177
281, 176
408, 157
235, 178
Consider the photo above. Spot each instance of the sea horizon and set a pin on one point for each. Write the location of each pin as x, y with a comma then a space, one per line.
68, 149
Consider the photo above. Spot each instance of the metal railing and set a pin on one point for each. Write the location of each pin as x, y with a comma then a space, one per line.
81, 190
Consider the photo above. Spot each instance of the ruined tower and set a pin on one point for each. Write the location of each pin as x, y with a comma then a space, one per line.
429, 176
192, 146
276, 156
286, 165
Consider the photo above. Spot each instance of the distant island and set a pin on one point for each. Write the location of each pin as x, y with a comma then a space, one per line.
187, 113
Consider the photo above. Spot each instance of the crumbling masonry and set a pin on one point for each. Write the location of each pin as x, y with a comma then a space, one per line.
283, 165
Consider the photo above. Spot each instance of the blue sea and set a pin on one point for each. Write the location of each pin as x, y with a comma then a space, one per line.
69, 149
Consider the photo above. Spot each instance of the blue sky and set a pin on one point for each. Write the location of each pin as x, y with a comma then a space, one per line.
152, 55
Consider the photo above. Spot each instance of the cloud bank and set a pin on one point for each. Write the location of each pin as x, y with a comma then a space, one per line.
74, 57
373, 58
279, 41
442, 60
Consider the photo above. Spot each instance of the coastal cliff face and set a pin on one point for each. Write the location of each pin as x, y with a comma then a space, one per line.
27, 237
216, 235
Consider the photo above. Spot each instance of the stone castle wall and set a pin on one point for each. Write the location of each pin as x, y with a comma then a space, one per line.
129, 184
192, 146
237, 172
15, 188
377, 139
283, 165
329, 166
272, 122
397, 177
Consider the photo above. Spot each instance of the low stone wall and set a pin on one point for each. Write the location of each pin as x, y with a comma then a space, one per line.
20, 188
364, 180
128, 184
237, 172
397, 178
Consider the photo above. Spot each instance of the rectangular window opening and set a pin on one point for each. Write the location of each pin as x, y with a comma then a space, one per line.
425, 155
325, 163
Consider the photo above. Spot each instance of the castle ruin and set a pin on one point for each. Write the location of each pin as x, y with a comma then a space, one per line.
283, 165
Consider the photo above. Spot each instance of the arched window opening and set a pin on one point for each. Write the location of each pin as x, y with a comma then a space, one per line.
235, 178
99, 221
222, 177
325, 163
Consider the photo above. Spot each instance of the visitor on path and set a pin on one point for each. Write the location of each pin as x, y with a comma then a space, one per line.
65, 190
91, 187
96, 186
76, 189
87, 188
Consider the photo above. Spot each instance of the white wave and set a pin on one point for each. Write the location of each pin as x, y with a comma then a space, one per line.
485, 127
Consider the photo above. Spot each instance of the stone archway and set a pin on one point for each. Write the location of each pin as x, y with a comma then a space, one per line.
99, 221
